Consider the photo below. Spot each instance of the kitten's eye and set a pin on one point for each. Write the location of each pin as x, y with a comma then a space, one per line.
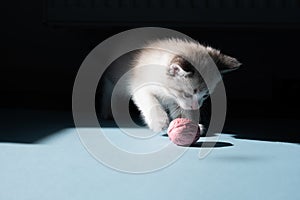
187, 95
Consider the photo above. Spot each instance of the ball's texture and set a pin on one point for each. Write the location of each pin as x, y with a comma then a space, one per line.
183, 132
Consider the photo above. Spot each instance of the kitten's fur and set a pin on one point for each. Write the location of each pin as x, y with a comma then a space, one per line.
164, 83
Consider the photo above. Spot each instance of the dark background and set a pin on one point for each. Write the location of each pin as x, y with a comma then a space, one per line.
43, 44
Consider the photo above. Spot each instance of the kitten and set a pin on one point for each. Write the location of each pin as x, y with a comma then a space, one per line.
163, 81
165, 85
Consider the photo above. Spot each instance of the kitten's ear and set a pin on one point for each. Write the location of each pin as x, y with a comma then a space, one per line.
176, 70
180, 67
224, 63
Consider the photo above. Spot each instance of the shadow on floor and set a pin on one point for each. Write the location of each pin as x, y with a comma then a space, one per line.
273, 130
208, 144
30, 126
211, 144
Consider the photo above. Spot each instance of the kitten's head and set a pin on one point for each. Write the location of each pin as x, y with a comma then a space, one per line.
187, 87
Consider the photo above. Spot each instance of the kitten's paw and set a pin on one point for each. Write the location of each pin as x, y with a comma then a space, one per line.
159, 122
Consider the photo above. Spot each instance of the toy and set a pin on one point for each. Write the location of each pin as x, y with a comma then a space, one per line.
183, 132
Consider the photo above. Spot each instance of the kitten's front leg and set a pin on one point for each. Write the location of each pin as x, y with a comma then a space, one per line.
154, 114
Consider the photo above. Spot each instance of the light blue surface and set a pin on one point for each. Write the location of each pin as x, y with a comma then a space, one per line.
59, 167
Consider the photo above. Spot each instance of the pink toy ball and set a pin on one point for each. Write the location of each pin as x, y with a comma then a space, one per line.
183, 132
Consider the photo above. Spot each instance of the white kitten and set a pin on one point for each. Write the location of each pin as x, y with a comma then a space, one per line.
164, 83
